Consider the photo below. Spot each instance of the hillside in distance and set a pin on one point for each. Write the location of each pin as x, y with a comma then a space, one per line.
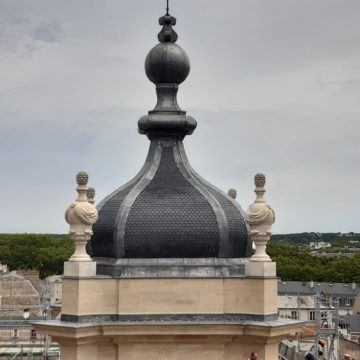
350, 239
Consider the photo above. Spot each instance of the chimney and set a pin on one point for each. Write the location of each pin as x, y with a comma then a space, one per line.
311, 283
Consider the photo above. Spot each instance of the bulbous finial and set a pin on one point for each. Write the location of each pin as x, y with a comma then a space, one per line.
260, 180
90, 194
167, 63
232, 193
167, 34
81, 214
82, 178
167, 66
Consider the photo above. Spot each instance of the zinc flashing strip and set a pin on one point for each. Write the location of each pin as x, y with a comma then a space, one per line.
153, 161
188, 173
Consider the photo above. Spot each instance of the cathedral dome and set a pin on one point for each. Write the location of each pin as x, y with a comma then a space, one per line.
167, 210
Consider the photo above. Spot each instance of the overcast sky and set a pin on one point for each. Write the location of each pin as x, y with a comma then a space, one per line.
274, 86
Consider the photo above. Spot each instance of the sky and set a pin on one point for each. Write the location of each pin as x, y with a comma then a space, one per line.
274, 86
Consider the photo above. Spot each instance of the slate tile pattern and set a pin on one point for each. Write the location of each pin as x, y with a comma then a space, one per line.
170, 218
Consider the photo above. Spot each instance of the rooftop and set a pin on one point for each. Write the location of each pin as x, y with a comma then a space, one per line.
312, 288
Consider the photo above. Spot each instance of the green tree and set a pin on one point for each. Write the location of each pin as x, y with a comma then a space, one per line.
44, 253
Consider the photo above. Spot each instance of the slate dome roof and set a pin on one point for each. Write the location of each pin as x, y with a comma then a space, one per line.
167, 210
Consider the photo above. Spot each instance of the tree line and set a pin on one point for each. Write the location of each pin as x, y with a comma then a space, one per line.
336, 239
44, 253
294, 263
47, 254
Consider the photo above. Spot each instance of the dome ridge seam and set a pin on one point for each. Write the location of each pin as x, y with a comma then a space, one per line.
130, 198
220, 215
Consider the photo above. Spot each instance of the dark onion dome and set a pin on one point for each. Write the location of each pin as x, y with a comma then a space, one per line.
167, 210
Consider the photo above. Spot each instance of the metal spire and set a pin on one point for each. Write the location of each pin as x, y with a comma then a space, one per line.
167, 34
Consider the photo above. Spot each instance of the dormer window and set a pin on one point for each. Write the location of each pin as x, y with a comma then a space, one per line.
348, 301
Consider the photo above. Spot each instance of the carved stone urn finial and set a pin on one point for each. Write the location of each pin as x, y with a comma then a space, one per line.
81, 215
90, 194
232, 193
260, 217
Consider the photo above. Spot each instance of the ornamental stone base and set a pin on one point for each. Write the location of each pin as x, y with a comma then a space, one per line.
197, 316
80, 269
262, 269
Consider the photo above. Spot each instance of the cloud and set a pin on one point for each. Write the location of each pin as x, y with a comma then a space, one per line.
309, 162
20, 36
48, 32
274, 86
349, 85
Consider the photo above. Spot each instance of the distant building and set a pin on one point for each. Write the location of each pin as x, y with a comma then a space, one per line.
341, 293
54, 289
3, 268
299, 307
333, 255
19, 301
30, 274
350, 344
354, 328
319, 245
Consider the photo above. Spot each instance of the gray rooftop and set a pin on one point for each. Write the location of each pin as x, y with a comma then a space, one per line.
312, 288
353, 321
354, 324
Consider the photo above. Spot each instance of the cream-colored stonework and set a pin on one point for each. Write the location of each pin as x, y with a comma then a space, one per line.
260, 217
90, 296
171, 296
81, 215
83, 268
250, 296
256, 296
261, 269
157, 340
164, 342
